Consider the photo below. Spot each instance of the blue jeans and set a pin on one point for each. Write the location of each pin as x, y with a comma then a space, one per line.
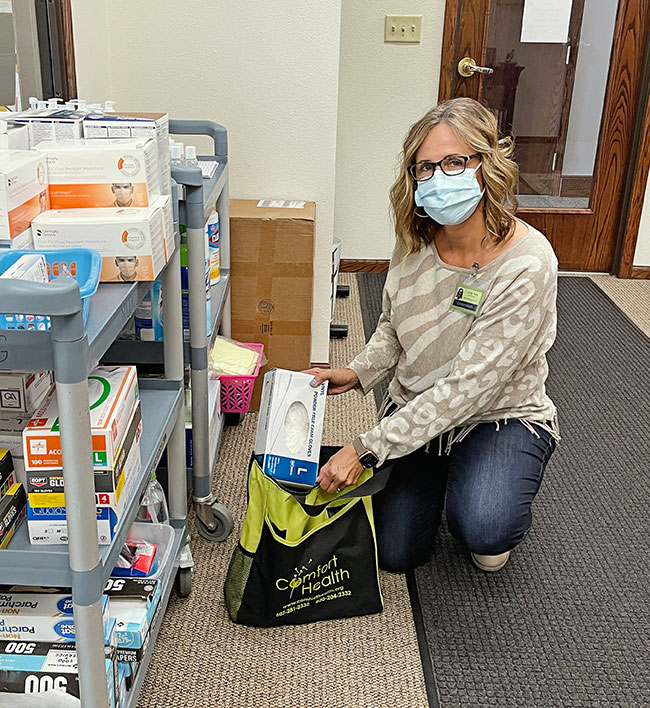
486, 484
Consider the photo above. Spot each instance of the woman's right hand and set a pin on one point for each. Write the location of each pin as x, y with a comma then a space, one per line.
340, 380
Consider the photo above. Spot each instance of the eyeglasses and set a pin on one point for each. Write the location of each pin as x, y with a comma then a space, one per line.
451, 165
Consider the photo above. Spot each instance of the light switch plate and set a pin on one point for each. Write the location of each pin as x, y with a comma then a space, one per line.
403, 28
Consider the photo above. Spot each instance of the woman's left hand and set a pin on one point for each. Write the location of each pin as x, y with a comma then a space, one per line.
340, 471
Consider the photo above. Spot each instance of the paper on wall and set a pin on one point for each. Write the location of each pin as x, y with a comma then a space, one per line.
546, 21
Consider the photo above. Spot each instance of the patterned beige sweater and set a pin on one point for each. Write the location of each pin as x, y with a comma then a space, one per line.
451, 370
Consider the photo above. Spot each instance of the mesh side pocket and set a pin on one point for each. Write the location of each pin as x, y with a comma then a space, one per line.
236, 581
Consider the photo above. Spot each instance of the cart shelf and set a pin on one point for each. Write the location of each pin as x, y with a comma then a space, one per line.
123, 350
26, 564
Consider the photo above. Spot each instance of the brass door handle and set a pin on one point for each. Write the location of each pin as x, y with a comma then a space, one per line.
467, 67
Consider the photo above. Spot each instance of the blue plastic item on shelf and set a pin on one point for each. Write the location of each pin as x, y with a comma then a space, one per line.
83, 264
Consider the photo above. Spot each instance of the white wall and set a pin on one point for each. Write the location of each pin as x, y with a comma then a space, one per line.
383, 89
267, 71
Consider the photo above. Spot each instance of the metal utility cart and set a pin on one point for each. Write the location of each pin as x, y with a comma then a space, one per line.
72, 350
197, 198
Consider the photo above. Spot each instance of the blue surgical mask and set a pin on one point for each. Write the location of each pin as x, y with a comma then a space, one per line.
450, 199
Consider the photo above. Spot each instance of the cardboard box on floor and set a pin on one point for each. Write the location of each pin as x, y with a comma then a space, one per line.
271, 261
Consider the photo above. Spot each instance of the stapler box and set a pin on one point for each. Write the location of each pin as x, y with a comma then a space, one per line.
130, 240
113, 393
133, 604
290, 427
23, 194
42, 617
135, 125
21, 392
12, 512
39, 667
46, 513
101, 173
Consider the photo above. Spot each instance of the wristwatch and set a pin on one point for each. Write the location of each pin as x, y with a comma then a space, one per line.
366, 457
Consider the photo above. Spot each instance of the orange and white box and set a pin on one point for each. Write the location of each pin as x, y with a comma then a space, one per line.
113, 395
23, 195
86, 174
131, 241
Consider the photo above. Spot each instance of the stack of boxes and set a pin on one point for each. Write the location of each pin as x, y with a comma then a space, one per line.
116, 426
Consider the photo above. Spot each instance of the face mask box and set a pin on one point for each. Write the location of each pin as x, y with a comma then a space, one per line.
113, 393
135, 125
41, 617
290, 427
46, 513
23, 195
87, 174
51, 124
130, 240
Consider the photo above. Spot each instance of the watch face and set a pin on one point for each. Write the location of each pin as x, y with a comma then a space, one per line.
368, 460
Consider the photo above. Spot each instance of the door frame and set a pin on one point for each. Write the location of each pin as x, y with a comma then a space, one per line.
631, 128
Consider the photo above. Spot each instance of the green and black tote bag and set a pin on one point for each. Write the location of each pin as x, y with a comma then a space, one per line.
305, 557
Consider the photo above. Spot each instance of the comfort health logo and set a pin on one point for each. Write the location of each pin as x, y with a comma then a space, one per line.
128, 165
310, 581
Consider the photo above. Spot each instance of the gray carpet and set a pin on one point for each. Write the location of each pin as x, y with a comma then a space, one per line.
567, 622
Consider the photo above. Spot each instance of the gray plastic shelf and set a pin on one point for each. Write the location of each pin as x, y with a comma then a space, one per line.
168, 583
124, 351
26, 564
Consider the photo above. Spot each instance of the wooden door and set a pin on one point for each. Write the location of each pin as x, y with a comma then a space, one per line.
571, 104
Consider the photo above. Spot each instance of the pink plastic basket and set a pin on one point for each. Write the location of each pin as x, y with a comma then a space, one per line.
236, 391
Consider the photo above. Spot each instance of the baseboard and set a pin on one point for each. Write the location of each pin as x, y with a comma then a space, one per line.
640, 272
319, 365
361, 265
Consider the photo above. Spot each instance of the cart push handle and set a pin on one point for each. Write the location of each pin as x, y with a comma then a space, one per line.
215, 131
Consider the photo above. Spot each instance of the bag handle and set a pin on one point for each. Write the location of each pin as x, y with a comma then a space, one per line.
371, 486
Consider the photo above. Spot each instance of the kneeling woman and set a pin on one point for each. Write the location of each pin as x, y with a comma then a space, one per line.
468, 316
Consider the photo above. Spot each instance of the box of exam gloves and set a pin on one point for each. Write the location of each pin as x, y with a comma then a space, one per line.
41, 616
134, 243
46, 512
23, 195
101, 173
290, 427
113, 394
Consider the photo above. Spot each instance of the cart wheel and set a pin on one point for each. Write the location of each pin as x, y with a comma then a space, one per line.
234, 418
224, 524
184, 582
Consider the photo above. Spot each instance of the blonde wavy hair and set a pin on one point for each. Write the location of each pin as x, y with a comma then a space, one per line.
477, 126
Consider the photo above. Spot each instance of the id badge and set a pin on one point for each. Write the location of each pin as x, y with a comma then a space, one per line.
470, 294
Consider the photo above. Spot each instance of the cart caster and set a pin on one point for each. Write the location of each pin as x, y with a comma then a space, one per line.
234, 418
184, 582
214, 522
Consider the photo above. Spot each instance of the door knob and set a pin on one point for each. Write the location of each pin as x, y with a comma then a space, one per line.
467, 67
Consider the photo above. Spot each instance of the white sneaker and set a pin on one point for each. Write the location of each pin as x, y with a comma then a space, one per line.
490, 564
